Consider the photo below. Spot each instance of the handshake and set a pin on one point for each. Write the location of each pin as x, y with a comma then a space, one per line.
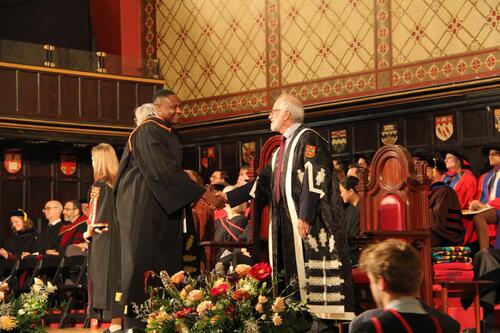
217, 199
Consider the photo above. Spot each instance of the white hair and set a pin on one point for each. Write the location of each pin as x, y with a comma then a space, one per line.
143, 111
293, 105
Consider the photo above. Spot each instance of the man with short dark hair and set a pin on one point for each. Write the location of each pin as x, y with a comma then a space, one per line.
394, 271
152, 192
219, 177
72, 232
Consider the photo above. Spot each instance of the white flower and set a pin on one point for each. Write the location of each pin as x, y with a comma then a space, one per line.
36, 288
38, 282
50, 287
21, 312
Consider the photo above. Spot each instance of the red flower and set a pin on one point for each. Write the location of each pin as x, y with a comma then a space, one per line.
184, 312
261, 271
220, 289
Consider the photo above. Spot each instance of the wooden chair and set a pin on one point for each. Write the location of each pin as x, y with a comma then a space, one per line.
394, 204
259, 216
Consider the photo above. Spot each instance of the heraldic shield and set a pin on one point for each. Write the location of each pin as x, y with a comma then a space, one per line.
68, 164
443, 126
389, 134
12, 162
339, 141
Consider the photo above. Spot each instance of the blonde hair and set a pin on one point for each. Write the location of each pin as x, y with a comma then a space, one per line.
241, 208
105, 163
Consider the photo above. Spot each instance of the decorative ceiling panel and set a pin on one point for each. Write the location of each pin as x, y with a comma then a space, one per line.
426, 29
321, 39
228, 58
212, 47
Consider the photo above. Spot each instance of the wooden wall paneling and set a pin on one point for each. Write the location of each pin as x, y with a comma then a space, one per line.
126, 101
473, 124
70, 93
108, 100
417, 130
67, 188
8, 91
40, 190
145, 93
366, 136
190, 158
49, 95
229, 157
89, 91
28, 92
13, 189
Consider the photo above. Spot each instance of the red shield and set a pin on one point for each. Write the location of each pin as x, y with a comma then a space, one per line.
12, 162
68, 164
443, 127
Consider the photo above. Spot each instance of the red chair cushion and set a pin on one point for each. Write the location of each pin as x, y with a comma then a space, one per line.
391, 213
359, 276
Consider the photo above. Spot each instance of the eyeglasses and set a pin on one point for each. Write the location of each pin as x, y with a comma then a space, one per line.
48, 208
494, 153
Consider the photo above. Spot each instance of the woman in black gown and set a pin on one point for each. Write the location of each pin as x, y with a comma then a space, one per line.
23, 239
102, 230
351, 199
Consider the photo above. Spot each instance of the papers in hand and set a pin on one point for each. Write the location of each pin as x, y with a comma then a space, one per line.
474, 212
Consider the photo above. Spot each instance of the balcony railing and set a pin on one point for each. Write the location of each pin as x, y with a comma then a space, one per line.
78, 60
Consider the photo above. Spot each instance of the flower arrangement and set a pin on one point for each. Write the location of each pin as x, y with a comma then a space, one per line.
237, 302
22, 314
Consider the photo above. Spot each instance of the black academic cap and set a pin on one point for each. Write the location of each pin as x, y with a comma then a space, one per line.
463, 159
20, 213
436, 163
486, 150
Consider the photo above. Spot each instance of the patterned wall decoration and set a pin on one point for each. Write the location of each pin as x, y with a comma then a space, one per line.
228, 58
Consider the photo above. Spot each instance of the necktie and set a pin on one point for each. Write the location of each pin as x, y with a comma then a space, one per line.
279, 166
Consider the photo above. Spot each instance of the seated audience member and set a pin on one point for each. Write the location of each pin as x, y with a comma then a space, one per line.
142, 112
459, 178
354, 170
229, 226
488, 195
444, 209
23, 238
394, 271
363, 161
339, 171
48, 241
219, 177
350, 197
242, 176
72, 232
84, 203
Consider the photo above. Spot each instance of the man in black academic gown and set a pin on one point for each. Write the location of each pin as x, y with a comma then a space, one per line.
152, 191
306, 234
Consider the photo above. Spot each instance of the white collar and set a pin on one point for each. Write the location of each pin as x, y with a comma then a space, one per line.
406, 305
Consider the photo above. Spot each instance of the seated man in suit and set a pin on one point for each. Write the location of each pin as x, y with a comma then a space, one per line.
48, 239
394, 271
72, 233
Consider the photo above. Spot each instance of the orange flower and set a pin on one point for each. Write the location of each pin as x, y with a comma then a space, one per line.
195, 295
278, 305
240, 295
178, 277
242, 269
